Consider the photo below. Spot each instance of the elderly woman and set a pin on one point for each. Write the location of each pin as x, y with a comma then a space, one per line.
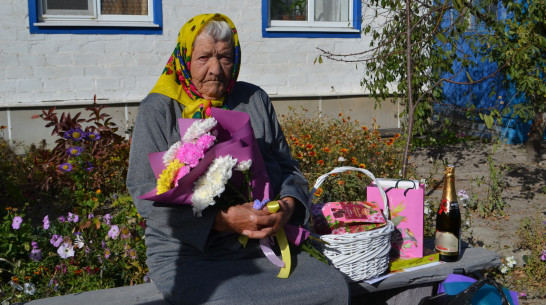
198, 260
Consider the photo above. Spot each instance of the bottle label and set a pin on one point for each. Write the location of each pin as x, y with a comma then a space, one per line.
446, 243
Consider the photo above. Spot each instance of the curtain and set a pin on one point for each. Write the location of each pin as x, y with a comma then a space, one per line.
124, 7
332, 10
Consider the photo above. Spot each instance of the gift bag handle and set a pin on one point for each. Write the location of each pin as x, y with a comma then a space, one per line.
342, 169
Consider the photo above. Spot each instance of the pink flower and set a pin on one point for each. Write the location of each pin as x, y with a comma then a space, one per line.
56, 240
114, 232
205, 141
16, 224
543, 256
181, 173
107, 218
46, 222
190, 154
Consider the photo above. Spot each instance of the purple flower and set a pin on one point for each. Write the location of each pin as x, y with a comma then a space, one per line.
91, 215
107, 218
114, 232
125, 233
88, 166
93, 136
107, 253
74, 150
65, 250
35, 253
74, 134
56, 240
543, 256
522, 294
46, 222
66, 167
73, 217
16, 224
61, 219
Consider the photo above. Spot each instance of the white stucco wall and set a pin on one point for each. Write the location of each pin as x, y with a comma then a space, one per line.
69, 69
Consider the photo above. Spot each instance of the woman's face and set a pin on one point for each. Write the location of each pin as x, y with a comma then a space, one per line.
211, 66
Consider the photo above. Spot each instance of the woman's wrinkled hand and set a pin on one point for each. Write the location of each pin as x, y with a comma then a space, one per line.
244, 219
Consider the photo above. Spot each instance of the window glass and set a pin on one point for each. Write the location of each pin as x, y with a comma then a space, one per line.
124, 7
289, 10
67, 7
332, 10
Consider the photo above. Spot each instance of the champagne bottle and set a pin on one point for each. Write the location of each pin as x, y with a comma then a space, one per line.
448, 221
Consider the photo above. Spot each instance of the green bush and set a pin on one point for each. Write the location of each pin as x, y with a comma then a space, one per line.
321, 144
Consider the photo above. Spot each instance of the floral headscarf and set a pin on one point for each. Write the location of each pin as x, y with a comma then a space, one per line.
175, 81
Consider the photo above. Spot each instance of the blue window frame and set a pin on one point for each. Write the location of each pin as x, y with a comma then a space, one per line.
151, 24
311, 25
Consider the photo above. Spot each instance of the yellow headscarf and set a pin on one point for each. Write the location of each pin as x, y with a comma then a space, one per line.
175, 81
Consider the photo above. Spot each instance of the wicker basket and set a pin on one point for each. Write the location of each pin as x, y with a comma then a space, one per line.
361, 255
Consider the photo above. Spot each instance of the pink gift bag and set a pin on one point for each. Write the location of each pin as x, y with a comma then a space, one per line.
406, 203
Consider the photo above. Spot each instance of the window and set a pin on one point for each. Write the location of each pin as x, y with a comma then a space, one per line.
311, 18
95, 16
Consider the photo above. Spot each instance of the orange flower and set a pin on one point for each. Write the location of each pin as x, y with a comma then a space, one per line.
396, 135
318, 192
77, 271
98, 191
362, 165
312, 153
343, 150
326, 149
340, 114
390, 142
364, 128
340, 182
353, 160
310, 146
321, 162
299, 155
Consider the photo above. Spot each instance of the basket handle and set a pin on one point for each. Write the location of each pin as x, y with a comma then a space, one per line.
337, 170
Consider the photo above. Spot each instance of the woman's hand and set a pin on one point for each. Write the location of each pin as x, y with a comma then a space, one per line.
244, 219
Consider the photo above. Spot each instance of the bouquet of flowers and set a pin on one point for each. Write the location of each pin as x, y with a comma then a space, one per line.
218, 162
213, 154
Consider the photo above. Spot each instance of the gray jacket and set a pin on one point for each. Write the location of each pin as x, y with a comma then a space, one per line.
174, 230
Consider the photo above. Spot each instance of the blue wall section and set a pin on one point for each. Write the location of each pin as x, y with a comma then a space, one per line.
512, 130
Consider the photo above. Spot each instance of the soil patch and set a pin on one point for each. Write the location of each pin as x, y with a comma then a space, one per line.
523, 189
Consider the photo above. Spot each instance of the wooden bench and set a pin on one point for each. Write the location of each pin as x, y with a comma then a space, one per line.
403, 288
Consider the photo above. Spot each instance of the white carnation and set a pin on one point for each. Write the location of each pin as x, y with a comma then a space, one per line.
243, 166
212, 183
171, 153
199, 128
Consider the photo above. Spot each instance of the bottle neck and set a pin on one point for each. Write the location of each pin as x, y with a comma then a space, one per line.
449, 192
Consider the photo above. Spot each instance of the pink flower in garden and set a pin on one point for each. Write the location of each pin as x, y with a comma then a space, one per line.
61, 219
46, 222
107, 218
522, 294
65, 250
132, 253
56, 240
114, 232
16, 224
73, 217
35, 253
125, 233
543, 256
107, 253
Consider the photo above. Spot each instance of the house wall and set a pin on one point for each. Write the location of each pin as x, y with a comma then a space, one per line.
66, 70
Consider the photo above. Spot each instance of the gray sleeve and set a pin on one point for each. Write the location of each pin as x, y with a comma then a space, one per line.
156, 129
